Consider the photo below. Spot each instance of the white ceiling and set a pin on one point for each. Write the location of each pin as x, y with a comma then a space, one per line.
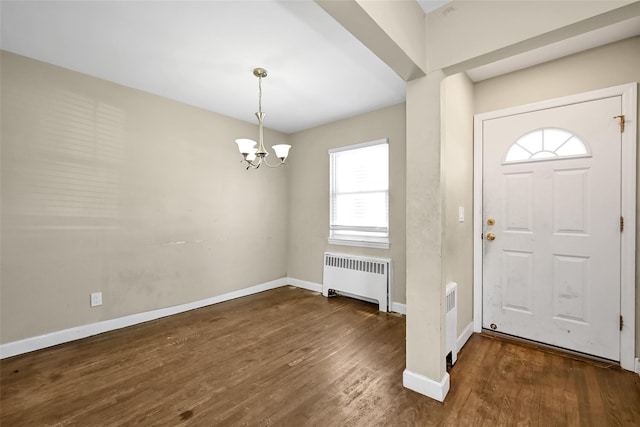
203, 52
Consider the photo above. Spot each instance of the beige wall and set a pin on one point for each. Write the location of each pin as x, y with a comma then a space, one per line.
309, 192
425, 227
105, 188
610, 65
404, 23
392, 30
457, 165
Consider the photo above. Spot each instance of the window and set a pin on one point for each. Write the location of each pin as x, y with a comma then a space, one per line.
359, 199
546, 144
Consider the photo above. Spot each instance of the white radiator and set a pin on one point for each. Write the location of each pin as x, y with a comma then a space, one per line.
358, 277
451, 320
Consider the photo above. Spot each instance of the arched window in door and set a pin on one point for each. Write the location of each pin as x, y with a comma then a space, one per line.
546, 144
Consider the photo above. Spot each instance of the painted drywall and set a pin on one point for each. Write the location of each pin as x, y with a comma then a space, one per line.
457, 166
404, 23
606, 66
309, 192
376, 29
477, 32
106, 188
425, 225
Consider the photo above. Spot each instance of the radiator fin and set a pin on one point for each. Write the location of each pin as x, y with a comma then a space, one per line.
367, 266
366, 278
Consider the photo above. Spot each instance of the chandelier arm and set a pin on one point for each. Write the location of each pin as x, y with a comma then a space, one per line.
272, 166
251, 164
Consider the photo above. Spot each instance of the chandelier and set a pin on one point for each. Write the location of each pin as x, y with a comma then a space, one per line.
251, 155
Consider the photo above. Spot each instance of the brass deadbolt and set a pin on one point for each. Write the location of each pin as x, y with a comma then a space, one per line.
491, 221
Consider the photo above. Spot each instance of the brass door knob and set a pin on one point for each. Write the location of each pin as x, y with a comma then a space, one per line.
491, 236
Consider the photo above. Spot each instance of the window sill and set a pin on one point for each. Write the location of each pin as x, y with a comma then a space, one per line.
377, 243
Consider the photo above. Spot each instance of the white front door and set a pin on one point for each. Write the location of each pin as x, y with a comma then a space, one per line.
551, 207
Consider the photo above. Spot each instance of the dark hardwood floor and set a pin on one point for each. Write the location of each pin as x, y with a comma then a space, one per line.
291, 357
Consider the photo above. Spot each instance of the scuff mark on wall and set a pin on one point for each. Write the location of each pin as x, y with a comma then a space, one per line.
180, 243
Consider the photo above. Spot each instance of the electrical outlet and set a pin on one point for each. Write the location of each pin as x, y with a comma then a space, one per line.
96, 299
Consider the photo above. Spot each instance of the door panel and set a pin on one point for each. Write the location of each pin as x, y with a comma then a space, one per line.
552, 273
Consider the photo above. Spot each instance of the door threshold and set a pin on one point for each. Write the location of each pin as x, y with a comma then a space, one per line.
548, 348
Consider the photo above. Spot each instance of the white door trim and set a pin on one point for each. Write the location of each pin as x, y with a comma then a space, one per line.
629, 94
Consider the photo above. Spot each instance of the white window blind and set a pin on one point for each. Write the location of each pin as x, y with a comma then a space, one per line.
360, 194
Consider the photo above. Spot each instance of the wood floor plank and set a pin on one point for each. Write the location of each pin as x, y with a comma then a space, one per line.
290, 357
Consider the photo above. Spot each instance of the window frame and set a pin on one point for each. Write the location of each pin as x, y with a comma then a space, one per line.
556, 156
368, 237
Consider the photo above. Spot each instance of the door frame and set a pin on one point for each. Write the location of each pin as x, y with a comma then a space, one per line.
629, 93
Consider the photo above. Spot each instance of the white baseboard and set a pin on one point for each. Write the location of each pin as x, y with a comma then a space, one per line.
398, 307
464, 336
428, 387
311, 286
59, 337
